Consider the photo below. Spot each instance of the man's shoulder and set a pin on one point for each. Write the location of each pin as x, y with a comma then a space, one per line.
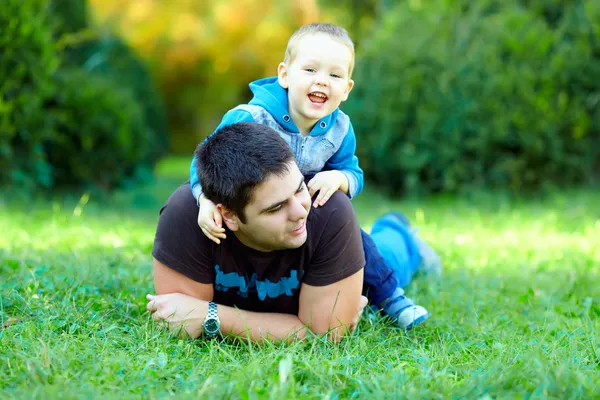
340, 203
338, 210
335, 238
179, 242
182, 198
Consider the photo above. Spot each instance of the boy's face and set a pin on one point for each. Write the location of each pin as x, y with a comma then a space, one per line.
317, 78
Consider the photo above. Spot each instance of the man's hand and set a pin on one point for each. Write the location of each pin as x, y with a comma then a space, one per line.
326, 183
210, 220
182, 314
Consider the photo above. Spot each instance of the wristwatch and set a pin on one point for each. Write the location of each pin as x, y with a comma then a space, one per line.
211, 324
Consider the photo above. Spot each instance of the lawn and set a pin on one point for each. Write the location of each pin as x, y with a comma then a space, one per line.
517, 314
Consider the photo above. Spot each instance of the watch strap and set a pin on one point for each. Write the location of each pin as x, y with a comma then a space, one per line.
212, 311
212, 315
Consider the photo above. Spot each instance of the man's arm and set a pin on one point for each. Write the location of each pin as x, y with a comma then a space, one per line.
191, 309
332, 309
181, 301
167, 280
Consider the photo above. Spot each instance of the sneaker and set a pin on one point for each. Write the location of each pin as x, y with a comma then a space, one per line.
431, 263
403, 311
411, 317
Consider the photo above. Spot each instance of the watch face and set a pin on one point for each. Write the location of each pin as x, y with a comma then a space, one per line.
211, 326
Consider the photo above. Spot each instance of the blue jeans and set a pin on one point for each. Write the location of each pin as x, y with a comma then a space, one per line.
392, 258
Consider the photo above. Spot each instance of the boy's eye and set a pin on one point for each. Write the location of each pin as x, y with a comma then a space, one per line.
274, 210
335, 76
309, 70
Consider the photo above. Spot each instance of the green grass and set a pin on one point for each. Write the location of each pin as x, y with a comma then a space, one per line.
516, 315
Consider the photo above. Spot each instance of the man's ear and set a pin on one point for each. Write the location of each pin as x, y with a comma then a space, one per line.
229, 217
348, 89
282, 75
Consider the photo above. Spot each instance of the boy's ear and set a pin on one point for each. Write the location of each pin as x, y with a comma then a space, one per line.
229, 217
282, 75
348, 89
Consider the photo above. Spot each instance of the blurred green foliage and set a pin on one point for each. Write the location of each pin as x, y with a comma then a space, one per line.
68, 16
27, 69
203, 54
75, 108
451, 95
109, 57
101, 135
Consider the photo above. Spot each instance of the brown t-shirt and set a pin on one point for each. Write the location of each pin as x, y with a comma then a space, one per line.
254, 280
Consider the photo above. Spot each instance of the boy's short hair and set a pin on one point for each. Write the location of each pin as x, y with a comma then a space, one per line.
236, 159
336, 32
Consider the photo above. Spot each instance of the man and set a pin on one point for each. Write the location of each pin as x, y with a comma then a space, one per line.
284, 269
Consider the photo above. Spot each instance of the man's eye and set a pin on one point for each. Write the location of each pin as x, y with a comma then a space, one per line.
274, 210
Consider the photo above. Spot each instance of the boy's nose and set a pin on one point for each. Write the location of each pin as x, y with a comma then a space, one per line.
321, 80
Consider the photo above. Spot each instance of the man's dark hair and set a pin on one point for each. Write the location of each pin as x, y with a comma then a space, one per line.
237, 158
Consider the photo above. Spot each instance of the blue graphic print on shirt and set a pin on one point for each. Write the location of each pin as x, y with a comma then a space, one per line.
225, 281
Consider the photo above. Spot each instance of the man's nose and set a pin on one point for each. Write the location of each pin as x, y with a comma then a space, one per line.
299, 208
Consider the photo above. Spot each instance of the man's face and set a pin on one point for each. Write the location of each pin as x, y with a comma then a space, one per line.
276, 215
317, 78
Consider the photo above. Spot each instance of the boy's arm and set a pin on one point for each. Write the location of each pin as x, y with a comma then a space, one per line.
345, 161
230, 118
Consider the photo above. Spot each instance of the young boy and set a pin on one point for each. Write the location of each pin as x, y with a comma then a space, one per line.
301, 104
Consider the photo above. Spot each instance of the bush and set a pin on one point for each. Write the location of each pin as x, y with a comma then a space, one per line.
63, 122
68, 16
101, 136
111, 58
448, 99
27, 67
101, 53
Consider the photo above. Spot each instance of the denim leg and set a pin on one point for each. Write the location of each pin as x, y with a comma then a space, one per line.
380, 280
397, 248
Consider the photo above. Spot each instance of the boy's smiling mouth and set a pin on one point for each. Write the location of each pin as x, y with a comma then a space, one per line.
317, 97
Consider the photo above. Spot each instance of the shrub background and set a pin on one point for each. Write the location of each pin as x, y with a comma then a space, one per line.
450, 95
490, 94
68, 114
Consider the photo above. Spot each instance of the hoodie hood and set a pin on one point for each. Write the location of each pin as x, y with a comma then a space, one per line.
269, 95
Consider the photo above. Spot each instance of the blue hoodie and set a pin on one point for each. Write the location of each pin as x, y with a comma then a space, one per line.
329, 146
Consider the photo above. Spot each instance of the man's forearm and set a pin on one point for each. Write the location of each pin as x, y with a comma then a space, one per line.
181, 311
259, 326
186, 306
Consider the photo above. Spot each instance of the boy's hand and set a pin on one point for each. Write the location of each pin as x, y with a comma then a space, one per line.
326, 183
210, 220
